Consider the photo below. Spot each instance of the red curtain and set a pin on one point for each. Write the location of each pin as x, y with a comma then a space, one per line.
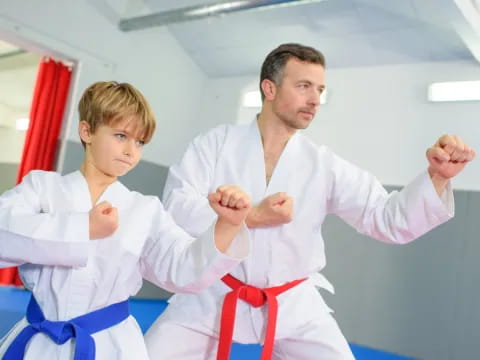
41, 140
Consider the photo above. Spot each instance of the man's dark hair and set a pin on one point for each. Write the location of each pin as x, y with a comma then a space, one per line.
274, 63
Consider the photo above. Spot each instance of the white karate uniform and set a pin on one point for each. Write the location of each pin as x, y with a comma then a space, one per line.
320, 183
71, 275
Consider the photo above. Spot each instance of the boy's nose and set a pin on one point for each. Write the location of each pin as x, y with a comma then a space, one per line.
128, 148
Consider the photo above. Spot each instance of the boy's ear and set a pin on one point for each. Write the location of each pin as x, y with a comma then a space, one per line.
84, 131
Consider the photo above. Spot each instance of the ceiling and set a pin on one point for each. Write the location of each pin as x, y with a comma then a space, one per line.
350, 33
14, 57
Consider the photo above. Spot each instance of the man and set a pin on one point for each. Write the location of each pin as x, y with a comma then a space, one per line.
281, 169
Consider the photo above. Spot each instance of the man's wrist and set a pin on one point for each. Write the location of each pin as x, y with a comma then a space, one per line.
252, 219
439, 182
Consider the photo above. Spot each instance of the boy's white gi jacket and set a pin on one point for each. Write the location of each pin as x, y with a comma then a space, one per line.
71, 275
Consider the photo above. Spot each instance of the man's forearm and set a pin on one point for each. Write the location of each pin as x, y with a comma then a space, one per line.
439, 182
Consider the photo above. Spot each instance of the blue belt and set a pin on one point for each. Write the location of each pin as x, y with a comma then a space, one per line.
81, 328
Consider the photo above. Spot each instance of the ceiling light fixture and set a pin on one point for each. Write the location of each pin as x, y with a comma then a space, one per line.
204, 11
454, 91
22, 124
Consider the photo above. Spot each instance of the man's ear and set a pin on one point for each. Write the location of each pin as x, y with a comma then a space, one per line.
84, 131
269, 89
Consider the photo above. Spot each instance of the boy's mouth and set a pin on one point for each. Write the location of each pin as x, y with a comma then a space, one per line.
125, 162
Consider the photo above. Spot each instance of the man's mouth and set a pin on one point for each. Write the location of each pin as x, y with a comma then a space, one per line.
311, 113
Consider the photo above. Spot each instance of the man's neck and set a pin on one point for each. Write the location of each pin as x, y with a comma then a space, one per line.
274, 133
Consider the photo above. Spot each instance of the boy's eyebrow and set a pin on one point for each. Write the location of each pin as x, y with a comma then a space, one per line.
120, 130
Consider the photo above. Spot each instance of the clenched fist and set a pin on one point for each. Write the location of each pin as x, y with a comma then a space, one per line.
276, 209
231, 204
448, 156
103, 220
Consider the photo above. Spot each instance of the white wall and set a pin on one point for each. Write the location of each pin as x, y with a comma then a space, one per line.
151, 60
11, 142
378, 117
15, 97
221, 101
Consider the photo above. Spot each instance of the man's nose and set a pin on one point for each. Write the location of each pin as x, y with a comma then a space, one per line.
314, 98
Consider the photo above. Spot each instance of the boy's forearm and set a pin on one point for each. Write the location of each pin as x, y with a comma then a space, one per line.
19, 249
224, 234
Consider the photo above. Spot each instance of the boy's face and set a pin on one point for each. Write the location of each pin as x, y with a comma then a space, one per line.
117, 148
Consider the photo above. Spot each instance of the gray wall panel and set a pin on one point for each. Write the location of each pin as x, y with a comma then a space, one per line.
465, 334
8, 176
400, 298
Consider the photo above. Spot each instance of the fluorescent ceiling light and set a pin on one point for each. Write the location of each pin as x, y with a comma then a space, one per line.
217, 8
201, 11
454, 91
242, 5
22, 124
253, 99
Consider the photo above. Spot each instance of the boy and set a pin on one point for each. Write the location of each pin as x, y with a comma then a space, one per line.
81, 287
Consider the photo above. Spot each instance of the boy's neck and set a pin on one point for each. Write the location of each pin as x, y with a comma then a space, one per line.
97, 181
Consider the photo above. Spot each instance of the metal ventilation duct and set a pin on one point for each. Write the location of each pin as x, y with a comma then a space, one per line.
203, 11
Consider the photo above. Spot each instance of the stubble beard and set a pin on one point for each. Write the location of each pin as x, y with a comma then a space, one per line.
293, 122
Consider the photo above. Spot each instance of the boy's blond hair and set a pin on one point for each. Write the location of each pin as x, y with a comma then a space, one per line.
108, 102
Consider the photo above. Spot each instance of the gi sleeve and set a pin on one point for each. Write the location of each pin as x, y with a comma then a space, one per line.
177, 262
28, 235
399, 217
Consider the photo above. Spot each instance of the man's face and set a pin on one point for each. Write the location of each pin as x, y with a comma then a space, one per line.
297, 97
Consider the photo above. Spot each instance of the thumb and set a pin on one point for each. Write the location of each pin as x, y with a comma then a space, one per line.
214, 197
104, 205
288, 202
111, 211
279, 197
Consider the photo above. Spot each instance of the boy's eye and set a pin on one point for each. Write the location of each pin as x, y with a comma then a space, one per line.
120, 136
140, 143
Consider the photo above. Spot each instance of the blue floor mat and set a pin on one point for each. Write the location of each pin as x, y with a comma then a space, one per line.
13, 303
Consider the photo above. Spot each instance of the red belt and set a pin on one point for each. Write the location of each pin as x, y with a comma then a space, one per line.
255, 297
